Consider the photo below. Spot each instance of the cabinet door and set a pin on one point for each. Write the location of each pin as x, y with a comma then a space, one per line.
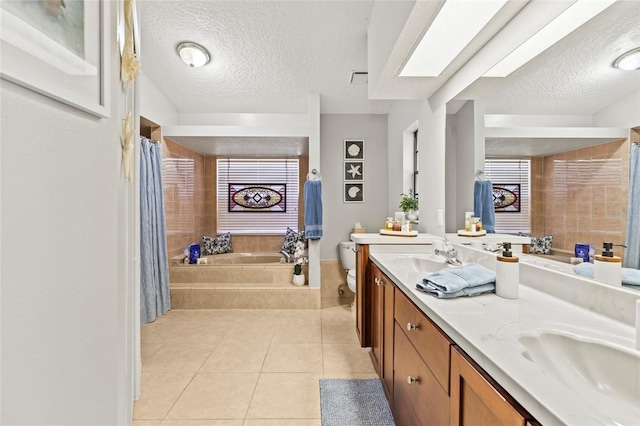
475, 401
363, 295
388, 338
377, 313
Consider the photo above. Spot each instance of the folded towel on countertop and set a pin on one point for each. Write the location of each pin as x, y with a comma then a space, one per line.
452, 280
468, 291
630, 276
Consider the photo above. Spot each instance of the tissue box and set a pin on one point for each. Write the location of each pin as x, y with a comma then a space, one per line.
358, 230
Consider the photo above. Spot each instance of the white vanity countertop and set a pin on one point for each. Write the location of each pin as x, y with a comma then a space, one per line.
424, 238
479, 326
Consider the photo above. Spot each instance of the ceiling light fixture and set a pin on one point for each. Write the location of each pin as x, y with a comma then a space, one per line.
193, 54
628, 61
573, 17
456, 24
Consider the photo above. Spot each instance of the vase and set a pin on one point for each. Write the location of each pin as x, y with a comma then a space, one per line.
412, 215
299, 279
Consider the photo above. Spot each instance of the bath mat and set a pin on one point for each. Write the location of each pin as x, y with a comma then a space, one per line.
350, 402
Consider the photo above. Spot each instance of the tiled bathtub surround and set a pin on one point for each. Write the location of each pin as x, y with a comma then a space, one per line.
585, 196
183, 183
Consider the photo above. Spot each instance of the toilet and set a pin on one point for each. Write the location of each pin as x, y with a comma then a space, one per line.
348, 259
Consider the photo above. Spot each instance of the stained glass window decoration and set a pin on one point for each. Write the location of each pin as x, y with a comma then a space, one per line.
506, 197
258, 197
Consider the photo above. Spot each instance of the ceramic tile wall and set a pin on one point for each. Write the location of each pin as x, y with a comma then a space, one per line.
537, 196
585, 195
183, 183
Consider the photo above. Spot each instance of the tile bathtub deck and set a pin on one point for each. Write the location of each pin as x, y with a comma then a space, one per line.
244, 367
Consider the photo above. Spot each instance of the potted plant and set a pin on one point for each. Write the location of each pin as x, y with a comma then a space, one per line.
300, 259
409, 205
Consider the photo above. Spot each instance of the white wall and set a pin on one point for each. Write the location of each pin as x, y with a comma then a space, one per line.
624, 113
339, 217
154, 105
463, 163
402, 116
62, 337
431, 164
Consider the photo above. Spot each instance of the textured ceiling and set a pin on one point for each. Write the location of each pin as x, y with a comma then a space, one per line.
267, 56
574, 76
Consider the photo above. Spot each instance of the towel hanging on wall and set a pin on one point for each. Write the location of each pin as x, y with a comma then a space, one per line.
483, 204
313, 206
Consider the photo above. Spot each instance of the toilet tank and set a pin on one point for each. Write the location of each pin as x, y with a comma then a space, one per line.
348, 254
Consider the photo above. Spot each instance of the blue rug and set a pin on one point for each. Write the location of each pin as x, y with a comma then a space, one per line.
354, 403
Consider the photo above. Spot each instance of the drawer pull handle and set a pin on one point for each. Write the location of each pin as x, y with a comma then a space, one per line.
411, 380
411, 326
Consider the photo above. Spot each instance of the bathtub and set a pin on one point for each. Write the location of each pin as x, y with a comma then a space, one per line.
243, 259
229, 268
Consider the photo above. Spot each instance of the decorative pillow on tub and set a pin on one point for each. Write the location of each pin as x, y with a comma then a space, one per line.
290, 240
217, 245
541, 245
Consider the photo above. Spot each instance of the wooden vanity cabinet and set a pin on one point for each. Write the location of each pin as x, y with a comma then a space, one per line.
382, 297
427, 379
476, 400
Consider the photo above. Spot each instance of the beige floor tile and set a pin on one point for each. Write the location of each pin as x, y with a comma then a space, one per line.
179, 357
216, 422
215, 396
148, 349
343, 358
282, 422
286, 396
146, 423
158, 393
349, 375
339, 332
299, 331
238, 355
293, 358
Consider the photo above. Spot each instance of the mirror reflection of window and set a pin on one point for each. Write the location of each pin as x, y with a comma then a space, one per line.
510, 174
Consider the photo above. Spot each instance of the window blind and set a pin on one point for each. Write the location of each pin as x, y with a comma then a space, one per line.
259, 171
512, 171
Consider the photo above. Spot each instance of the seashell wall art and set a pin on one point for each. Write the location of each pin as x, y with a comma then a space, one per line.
353, 171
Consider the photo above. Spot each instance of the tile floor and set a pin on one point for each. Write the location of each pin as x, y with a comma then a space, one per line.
244, 367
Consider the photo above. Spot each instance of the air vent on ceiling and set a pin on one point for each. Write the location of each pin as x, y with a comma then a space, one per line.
359, 77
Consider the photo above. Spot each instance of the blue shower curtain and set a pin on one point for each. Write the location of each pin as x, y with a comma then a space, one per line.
154, 265
632, 241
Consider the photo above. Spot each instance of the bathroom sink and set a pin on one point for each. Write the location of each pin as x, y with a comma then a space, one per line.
425, 263
602, 372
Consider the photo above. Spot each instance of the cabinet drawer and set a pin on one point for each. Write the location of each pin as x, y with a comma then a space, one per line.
432, 345
415, 387
476, 400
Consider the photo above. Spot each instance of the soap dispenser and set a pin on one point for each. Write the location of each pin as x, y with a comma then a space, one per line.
607, 268
507, 273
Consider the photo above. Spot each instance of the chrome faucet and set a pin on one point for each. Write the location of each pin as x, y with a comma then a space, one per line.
287, 257
449, 253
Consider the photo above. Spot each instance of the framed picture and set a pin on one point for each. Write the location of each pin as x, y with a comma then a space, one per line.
59, 49
354, 192
506, 197
258, 197
353, 149
354, 170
